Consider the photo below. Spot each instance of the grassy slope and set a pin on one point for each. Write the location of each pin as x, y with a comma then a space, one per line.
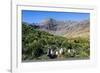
35, 44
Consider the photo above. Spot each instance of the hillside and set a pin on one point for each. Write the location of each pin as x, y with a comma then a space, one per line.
66, 28
35, 44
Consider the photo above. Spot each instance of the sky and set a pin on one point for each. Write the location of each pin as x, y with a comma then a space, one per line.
31, 16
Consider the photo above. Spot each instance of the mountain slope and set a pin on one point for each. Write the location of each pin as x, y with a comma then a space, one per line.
66, 28
35, 44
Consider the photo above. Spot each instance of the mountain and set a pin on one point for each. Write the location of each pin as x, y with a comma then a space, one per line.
66, 28
80, 29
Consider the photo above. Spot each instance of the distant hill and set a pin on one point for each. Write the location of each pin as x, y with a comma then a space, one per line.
66, 28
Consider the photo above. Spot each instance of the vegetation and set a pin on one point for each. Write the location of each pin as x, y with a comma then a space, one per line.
35, 44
